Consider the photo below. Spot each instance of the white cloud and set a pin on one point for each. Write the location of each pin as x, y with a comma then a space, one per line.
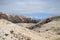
33, 6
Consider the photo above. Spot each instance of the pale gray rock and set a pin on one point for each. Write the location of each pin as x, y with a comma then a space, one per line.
11, 31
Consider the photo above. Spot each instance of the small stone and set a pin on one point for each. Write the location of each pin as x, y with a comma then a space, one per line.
6, 34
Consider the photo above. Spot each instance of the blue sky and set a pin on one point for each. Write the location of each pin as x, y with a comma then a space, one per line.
33, 8
39, 16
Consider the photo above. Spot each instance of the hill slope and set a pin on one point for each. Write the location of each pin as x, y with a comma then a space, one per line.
17, 18
15, 27
49, 29
11, 31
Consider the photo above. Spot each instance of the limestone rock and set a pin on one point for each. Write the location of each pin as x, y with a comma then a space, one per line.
11, 31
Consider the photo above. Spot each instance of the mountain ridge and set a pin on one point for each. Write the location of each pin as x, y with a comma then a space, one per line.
17, 18
15, 27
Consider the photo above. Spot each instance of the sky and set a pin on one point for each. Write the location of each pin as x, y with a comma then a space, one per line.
32, 8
